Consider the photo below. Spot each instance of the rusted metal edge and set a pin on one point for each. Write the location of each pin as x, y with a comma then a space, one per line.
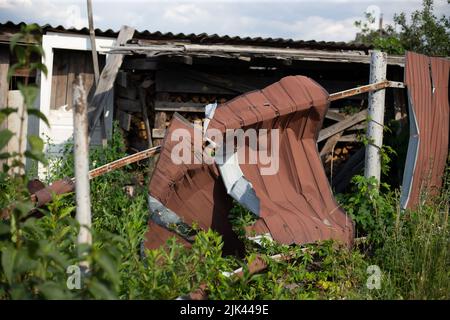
366, 88
102, 170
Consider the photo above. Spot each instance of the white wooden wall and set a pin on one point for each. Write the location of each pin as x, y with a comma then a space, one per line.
61, 120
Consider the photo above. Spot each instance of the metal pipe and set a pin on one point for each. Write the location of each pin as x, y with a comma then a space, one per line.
375, 124
81, 155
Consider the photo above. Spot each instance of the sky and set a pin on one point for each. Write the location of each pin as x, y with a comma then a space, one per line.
328, 20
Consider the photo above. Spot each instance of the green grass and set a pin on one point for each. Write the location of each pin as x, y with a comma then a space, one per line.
411, 249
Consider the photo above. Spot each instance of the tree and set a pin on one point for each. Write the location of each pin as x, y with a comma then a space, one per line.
423, 32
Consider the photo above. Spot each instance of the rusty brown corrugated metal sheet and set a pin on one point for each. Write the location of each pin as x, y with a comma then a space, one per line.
296, 204
194, 192
427, 80
156, 236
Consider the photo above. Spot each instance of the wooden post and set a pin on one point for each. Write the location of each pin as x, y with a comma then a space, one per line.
143, 100
160, 123
4, 66
93, 46
81, 154
104, 92
375, 125
96, 67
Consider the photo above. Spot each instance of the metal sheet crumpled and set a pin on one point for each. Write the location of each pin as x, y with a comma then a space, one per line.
187, 193
294, 204
426, 80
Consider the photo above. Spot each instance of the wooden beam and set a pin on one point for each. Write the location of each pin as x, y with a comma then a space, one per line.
179, 106
329, 145
4, 87
218, 81
160, 123
349, 138
103, 93
128, 105
158, 133
124, 120
142, 99
172, 80
342, 125
333, 115
253, 51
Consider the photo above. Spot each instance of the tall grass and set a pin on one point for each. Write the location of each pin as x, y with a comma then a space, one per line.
415, 252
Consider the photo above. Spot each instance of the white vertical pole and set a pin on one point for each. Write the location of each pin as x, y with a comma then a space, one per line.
81, 154
372, 165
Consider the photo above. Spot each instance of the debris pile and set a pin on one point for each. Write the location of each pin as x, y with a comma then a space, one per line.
294, 203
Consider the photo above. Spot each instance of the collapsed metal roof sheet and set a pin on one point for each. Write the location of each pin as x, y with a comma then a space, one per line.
204, 38
427, 81
294, 204
188, 193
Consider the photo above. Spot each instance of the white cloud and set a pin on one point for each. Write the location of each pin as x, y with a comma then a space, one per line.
330, 20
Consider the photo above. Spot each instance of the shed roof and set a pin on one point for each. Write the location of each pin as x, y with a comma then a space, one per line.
204, 38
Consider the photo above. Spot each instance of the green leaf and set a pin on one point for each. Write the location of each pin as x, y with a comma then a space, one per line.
9, 255
35, 112
29, 94
39, 66
52, 291
36, 143
4, 229
36, 156
66, 211
4, 113
14, 39
107, 264
100, 291
5, 136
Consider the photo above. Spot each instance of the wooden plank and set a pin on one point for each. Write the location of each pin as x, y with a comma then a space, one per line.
122, 78
128, 105
351, 167
139, 64
342, 125
143, 100
176, 81
252, 51
330, 144
359, 126
179, 106
95, 65
77, 65
158, 133
124, 120
61, 79
24, 72
4, 66
349, 138
333, 115
160, 123
129, 92
219, 81
103, 93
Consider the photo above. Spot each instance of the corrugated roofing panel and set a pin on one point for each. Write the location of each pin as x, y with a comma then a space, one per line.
427, 81
204, 38
296, 203
194, 192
